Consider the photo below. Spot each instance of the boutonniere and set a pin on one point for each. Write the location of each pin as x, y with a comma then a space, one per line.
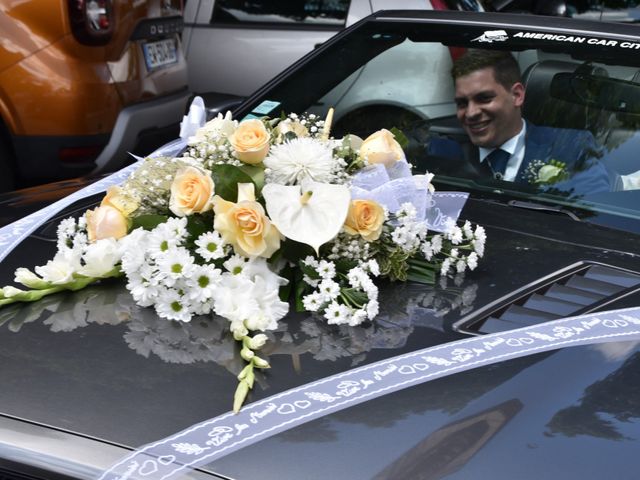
540, 172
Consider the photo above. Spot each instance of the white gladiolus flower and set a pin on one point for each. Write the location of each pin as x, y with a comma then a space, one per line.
258, 341
29, 279
57, 271
100, 258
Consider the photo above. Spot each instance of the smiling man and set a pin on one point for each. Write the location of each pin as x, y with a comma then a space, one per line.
489, 95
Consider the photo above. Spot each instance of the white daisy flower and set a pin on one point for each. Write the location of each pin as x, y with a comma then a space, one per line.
326, 269
235, 264
313, 301
329, 289
171, 305
203, 282
175, 264
301, 158
142, 290
211, 246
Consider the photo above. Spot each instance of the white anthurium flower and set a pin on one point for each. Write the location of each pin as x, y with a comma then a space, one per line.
312, 213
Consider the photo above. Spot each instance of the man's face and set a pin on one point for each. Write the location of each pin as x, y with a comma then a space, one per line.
489, 113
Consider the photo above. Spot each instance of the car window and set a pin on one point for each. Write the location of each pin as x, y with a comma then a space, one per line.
586, 91
331, 13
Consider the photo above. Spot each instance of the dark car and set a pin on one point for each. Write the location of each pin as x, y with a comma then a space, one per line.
95, 386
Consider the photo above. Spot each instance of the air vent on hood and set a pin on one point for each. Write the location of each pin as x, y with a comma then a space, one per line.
578, 289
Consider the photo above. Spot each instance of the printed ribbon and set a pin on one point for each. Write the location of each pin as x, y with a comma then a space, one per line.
11, 235
212, 439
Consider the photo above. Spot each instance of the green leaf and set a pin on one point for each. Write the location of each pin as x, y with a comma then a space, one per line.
197, 225
421, 271
148, 222
295, 251
400, 137
356, 298
226, 179
257, 176
300, 291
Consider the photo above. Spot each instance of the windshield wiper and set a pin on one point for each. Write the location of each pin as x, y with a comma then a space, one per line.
543, 208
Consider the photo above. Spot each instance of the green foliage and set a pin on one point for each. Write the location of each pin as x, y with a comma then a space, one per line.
226, 179
400, 137
148, 222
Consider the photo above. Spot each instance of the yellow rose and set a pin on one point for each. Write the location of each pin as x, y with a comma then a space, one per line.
105, 221
250, 141
381, 147
365, 218
191, 192
117, 198
293, 126
245, 225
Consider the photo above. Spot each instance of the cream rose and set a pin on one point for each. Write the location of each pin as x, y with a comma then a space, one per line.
293, 126
191, 192
117, 198
381, 147
365, 218
105, 221
250, 141
245, 224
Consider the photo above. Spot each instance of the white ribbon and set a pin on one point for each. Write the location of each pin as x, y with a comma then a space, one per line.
212, 439
392, 186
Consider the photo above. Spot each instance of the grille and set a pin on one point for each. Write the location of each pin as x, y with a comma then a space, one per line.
581, 288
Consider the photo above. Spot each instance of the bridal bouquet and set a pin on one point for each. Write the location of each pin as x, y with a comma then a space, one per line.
256, 216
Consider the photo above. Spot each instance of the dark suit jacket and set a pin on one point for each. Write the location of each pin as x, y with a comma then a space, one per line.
576, 148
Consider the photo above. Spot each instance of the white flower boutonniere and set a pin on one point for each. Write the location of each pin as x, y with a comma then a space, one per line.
540, 172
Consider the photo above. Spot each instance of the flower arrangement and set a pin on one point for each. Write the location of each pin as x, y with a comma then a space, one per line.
540, 173
255, 216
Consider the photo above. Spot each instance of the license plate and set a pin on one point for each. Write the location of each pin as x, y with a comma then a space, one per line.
160, 53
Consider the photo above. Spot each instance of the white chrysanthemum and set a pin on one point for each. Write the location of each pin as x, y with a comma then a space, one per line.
176, 263
337, 314
313, 301
235, 264
173, 306
472, 260
144, 292
301, 158
326, 269
329, 289
203, 282
160, 241
211, 246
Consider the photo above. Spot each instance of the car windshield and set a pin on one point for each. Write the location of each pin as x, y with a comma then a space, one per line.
581, 88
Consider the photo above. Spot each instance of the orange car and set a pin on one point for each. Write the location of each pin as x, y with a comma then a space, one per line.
82, 82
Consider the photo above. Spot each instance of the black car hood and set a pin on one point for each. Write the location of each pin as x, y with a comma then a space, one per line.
94, 363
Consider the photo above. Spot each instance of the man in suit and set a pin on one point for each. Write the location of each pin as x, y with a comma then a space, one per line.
489, 95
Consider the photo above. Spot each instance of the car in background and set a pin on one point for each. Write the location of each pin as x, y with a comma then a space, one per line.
82, 82
90, 376
235, 46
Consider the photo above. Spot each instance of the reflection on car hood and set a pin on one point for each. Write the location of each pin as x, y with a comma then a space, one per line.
95, 363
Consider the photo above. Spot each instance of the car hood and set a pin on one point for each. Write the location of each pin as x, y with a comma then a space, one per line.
94, 363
